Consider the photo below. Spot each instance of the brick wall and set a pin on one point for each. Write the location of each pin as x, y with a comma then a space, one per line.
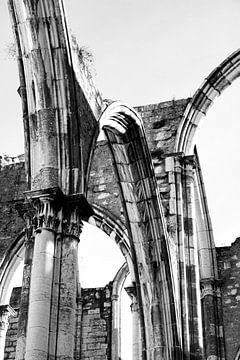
161, 122
11, 336
96, 324
12, 186
229, 272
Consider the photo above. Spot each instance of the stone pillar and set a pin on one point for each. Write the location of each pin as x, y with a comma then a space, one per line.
191, 258
53, 287
5, 312
68, 288
42, 275
23, 313
174, 168
136, 333
212, 319
181, 172
116, 328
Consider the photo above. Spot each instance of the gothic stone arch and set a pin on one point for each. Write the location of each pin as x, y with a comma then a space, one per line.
158, 186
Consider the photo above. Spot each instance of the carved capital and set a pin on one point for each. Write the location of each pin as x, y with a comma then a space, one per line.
45, 209
210, 287
132, 293
72, 225
52, 210
47, 215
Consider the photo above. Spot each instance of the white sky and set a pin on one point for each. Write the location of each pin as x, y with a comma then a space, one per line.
148, 51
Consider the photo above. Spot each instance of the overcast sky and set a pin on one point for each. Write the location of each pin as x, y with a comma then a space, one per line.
148, 51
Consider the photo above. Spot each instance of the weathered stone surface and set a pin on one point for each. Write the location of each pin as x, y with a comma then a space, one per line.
12, 186
228, 264
96, 323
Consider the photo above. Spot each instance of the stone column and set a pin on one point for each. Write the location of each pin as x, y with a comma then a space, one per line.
42, 275
212, 319
72, 228
136, 338
181, 171
116, 327
53, 287
174, 168
5, 312
191, 258
23, 313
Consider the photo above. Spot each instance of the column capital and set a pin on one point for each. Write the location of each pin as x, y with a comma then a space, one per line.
179, 161
210, 286
131, 291
52, 210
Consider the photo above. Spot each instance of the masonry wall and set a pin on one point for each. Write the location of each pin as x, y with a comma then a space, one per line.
161, 122
229, 273
12, 185
11, 336
96, 324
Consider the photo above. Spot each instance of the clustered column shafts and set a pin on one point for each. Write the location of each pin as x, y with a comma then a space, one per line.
193, 287
53, 294
181, 171
209, 277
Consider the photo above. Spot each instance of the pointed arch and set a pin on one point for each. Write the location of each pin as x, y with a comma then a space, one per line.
116, 230
148, 237
213, 86
8, 266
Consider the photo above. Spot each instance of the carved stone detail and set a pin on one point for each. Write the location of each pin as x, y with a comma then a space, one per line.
50, 209
72, 226
47, 216
210, 287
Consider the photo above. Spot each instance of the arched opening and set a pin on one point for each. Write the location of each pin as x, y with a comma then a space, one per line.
144, 217
99, 257
218, 146
99, 261
213, 147
100, 264
11, 270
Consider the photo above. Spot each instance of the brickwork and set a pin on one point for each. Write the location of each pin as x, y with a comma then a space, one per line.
12, 186
11, 337
103, 187
161, 122
96, 324
229, 272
